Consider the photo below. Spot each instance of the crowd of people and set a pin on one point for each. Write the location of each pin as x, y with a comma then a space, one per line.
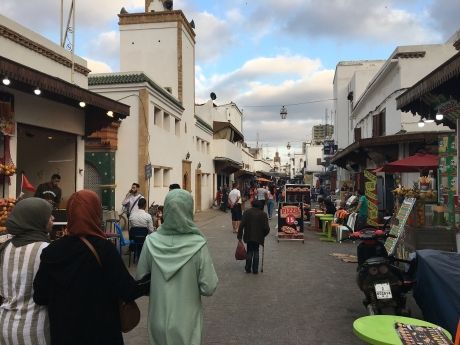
69, 291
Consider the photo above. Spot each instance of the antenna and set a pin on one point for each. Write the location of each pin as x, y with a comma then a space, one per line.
257, 140
67, 43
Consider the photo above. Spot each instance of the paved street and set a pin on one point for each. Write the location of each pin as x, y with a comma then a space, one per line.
304, 296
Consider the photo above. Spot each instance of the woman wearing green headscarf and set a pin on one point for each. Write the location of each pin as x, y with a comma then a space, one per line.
181, 268
21, 320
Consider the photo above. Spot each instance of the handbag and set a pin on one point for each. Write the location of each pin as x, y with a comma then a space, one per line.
240, 252
130, 315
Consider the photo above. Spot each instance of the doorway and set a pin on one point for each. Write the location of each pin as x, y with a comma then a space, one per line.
42, 152
198, 191
186, 175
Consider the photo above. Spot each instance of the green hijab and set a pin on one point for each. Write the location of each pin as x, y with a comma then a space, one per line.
28, 220
178, 238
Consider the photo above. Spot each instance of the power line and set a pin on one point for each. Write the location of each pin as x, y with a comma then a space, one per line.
289, 104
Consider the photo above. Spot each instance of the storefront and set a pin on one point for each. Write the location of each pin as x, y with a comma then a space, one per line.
43, 132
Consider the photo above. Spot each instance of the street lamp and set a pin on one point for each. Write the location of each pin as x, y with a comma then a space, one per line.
283, 112
288, 146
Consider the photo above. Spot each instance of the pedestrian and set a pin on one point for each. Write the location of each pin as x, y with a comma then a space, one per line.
362, 209
262, 195
141, 218
83, 295
22, 321
270, 202
131, 199
253, 230
50, 191
327, 205
234, 201
174, 186
224, 202
178, 259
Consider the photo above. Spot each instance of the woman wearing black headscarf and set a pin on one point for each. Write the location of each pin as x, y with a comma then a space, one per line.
83, 296
21, 320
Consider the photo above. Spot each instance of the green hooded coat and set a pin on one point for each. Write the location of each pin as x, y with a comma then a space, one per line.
181, 268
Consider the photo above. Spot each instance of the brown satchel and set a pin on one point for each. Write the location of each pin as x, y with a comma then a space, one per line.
240, 252
130, 315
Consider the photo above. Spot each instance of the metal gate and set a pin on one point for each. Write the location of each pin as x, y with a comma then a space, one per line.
92, 179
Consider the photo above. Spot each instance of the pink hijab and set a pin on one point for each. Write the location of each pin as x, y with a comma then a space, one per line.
85, 214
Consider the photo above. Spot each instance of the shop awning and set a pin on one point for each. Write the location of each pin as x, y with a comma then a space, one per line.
244, 174
415, 163
437, 90
226, 165
26, 79
219, 126
262, 179
359, 150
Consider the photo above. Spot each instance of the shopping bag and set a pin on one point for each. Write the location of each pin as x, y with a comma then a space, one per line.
240, 252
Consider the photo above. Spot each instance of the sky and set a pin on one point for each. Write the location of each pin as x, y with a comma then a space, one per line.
262, 54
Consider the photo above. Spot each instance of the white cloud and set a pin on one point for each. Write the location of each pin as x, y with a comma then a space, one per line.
98, 66
106, 47
270, 83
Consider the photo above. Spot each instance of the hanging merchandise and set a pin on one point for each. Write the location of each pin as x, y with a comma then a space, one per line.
7, 167
7, 124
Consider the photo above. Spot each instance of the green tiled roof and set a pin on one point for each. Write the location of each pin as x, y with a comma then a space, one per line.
133, 78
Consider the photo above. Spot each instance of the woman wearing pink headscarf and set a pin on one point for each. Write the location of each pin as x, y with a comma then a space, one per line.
83, 296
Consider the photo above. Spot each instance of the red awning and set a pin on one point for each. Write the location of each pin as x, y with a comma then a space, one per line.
415, 163
261, 179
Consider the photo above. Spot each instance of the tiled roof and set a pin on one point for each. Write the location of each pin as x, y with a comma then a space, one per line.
129, 78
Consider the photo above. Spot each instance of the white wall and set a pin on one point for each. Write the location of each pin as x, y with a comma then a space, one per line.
313, 152
32, 59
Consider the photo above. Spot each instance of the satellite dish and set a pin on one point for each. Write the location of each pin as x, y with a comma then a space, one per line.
213, 96
168, 4
123, 11
192, 24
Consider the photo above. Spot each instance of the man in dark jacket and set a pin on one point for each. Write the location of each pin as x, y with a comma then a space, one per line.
253, 229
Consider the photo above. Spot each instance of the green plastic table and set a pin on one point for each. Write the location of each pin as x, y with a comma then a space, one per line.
327, 227
380, 329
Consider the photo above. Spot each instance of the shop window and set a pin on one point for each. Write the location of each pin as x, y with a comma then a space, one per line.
357, 133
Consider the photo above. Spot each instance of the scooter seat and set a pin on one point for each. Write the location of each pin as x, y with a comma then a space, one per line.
376, 261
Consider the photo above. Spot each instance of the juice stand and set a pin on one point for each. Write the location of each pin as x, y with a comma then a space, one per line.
291, 212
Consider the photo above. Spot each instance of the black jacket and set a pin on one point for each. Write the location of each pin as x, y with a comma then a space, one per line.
83, 297
254, 225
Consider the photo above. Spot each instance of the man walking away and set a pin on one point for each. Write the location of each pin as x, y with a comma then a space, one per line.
140, 218
234, 201
253, 229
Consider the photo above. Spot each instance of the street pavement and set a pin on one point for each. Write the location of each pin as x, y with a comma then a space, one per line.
304, 296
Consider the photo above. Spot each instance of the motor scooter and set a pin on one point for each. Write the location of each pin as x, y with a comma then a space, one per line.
383, 283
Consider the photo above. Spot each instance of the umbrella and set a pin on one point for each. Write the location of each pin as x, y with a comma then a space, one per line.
415, 163
261, 179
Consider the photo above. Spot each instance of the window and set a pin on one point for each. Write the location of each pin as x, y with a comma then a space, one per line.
157, 177
207, 148
166, 177
177, 127
378, 124
157, 117
166, 122
197, 144
357, 134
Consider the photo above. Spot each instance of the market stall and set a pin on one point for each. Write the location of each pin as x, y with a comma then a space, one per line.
428, 225
292, 211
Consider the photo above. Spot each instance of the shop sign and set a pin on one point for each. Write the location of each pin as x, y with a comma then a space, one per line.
290, 211
370, 190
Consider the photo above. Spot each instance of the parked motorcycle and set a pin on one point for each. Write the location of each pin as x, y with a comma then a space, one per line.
383, 283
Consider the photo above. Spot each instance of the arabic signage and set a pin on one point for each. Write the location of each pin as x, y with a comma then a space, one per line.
370, 190
397, 228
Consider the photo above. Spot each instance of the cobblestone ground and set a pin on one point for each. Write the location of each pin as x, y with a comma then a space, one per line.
304, 295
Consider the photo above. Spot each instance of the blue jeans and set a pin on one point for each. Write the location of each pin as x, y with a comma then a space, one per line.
270, 206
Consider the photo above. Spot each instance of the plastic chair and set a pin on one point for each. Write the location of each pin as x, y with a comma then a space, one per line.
122, 241
137, 237
347, 227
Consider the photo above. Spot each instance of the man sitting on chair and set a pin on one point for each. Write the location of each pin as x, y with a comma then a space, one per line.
140, 218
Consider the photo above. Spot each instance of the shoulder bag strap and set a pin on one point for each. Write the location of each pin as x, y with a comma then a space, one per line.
134, 203
93, 250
